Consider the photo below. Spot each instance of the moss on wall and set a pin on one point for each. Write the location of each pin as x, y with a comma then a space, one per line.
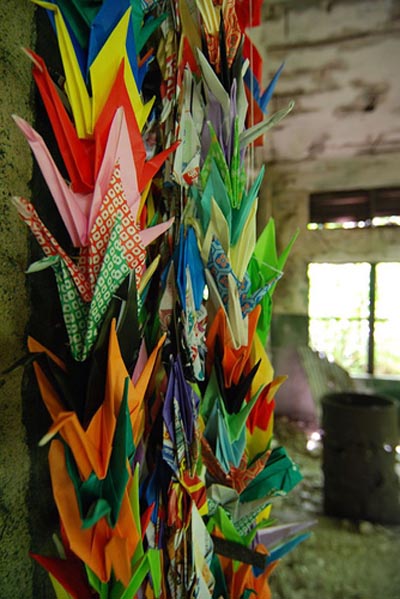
17, 29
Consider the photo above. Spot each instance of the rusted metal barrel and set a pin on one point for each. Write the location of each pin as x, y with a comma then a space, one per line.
359, 440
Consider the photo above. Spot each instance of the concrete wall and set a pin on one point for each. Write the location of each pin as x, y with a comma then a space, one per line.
291, 186
341, 68
17, 29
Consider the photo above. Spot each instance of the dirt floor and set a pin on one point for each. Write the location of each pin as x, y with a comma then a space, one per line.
342, 559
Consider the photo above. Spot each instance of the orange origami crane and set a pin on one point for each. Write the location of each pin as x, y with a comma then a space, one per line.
92, 447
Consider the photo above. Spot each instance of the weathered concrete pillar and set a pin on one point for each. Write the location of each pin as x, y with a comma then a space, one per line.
17, 28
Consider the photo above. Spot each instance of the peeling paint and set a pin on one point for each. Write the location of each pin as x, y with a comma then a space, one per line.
341, 68
367, 100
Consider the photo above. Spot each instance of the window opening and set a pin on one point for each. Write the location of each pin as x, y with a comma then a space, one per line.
353, 315
358, 208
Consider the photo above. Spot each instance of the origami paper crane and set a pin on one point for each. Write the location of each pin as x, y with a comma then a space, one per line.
86, 109
79, 16
265, 265
100, 547
99, 457
235, 358
98, 498
243, 582
280, 539
161, 457
222, 32
179, 414
79, 212
83, 320
275, 477
274, 534
260, 422
279, 476
203, 551
249, 15
83, 157
92, 447
194, 329
96, 276
262, 98
220, 269
189, 263
67, 575
237, 219
186, 167
226, 522
77, 153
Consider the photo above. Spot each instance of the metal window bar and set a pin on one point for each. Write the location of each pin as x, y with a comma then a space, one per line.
371, 334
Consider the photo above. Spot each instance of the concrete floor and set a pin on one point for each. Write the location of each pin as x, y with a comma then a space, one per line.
342, 559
